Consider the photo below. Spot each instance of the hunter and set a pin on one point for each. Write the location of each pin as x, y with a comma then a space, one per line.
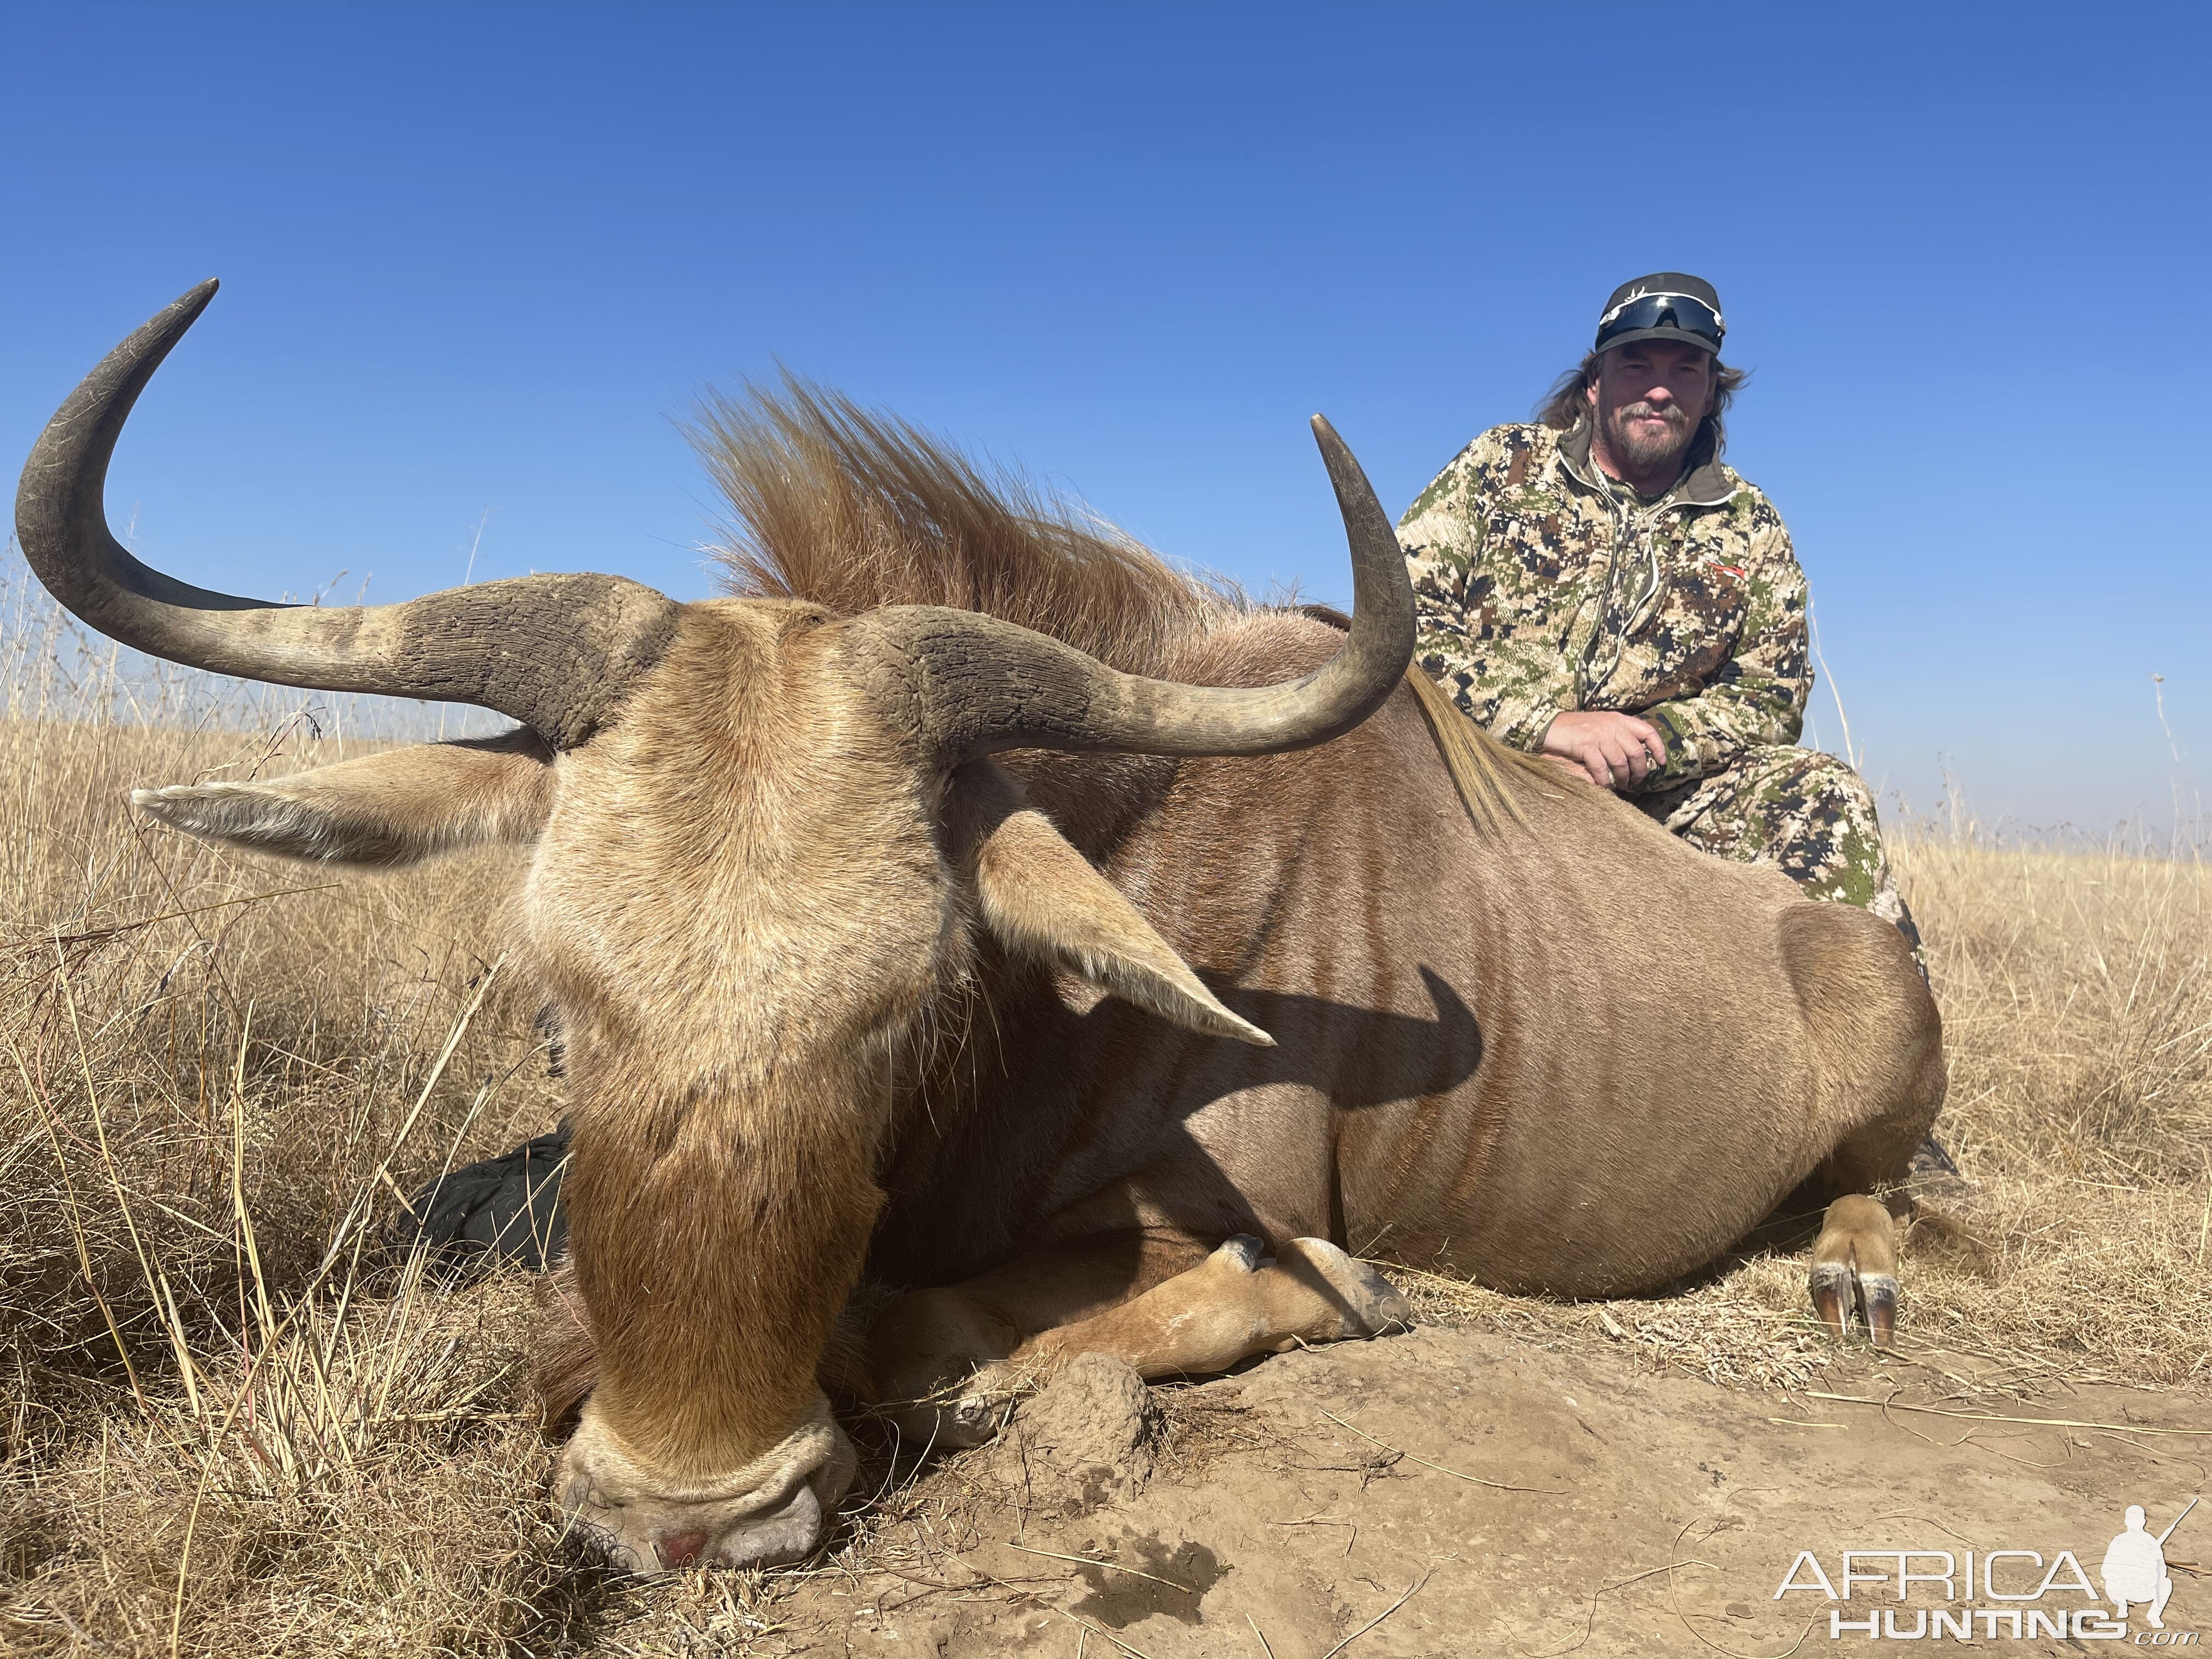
1598, 587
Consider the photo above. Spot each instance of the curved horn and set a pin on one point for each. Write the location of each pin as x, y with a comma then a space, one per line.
553, 652
974, 684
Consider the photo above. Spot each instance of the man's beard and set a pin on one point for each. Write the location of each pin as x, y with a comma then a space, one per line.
1648, 452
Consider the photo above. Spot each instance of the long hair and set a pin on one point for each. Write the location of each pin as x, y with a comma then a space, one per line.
853, 510
1565, 404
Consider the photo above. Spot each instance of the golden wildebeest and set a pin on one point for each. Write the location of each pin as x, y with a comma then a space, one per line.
846, 995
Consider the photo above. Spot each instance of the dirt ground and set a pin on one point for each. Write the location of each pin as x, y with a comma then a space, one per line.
1454, 1491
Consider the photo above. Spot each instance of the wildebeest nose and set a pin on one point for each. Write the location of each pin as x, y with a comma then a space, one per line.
682, 1549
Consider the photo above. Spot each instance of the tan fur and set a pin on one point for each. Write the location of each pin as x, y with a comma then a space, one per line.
565, 1365
1039, 896
392, 808
812, 989
1478, 762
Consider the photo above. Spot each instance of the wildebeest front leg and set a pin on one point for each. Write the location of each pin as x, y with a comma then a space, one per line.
1238, 1301
946, 1360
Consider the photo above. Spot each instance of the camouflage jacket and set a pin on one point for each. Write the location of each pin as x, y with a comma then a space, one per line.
1542, 585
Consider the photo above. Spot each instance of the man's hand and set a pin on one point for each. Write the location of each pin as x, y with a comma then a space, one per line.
1612, 750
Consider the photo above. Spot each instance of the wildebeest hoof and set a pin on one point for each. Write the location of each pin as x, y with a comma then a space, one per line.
969, 1413
763, 1513
1370, 1305
971, 1419
1933, 1175
1833, 1295
1241, 1252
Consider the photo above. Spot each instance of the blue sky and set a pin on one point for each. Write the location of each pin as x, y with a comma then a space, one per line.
478, 260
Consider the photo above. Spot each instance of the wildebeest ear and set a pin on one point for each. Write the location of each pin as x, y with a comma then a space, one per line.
392, 808
1041, 898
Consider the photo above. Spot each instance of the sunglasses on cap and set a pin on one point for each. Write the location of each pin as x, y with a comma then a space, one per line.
1682, 311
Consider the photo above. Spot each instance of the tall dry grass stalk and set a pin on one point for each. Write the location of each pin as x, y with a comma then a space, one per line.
231, 1427
2077, 1000
226, 1416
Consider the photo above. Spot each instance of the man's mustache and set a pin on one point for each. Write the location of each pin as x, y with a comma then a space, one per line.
1673, 414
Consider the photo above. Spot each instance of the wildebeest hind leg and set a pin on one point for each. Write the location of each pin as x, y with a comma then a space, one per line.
1855, 1258
1236, 1303
1877, 1043
1855, 1263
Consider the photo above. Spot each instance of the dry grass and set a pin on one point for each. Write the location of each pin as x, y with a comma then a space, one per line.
231, 1428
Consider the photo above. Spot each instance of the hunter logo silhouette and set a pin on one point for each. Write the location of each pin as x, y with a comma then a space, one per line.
2134, 1567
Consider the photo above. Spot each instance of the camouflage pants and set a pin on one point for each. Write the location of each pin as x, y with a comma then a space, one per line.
1806, 812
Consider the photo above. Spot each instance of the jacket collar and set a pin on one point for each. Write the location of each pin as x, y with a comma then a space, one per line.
1704, 482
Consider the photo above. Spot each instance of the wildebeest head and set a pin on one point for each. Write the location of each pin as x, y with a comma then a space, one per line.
767, 834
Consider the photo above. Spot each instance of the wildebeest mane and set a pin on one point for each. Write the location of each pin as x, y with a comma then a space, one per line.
853, 509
